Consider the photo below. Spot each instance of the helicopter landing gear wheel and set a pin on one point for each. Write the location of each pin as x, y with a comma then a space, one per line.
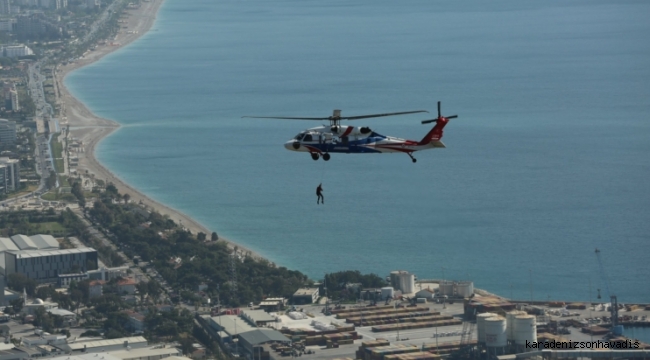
412, 158
314, 156
326, 156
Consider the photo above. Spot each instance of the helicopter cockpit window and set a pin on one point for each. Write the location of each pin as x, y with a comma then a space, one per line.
307, 138
299, 136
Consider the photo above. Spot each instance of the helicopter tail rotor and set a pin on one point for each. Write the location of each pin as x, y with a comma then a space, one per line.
436, 133
439, 116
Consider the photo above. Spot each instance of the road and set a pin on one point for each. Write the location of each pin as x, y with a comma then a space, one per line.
139, 273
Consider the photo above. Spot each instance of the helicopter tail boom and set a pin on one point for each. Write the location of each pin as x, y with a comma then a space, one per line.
436, 133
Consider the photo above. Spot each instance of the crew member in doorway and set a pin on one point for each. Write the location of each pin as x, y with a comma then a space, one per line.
319, 194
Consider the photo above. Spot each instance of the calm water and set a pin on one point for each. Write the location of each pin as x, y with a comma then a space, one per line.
548, 160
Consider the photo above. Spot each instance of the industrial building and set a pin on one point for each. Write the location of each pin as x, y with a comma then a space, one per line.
240, 334
305, 296
45, 266
257, 317
252, 341
273, 304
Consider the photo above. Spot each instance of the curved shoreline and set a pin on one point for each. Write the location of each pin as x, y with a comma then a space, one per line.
91, 129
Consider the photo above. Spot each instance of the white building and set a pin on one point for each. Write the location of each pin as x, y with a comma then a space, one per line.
13, 96
9, 174
107, 274
12, 51
36, 304
425, 294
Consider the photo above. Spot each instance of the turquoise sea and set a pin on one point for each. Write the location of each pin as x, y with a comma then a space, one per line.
548, 160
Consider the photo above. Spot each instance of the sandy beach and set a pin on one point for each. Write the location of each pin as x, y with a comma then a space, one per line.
91, 129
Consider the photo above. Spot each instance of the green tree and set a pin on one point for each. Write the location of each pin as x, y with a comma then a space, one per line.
44, 292
186, 345
154, 289
214, 236
51, 180
77, 191
143, 289
111, 190
18, 282
42, 319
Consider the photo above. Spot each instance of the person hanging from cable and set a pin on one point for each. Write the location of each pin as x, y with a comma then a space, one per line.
319, 194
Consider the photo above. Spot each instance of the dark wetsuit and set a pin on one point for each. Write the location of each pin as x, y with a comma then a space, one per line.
319, 194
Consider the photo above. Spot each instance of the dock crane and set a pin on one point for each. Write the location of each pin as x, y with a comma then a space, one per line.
613, 309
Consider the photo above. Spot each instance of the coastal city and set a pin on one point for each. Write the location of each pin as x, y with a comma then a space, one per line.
90, 267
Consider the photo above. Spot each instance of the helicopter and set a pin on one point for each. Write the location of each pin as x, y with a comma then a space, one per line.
336, 138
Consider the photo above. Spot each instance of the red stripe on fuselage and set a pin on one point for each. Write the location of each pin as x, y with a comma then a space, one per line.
348, 131
312, 149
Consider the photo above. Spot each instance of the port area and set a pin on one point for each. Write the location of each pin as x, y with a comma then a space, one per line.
555, 321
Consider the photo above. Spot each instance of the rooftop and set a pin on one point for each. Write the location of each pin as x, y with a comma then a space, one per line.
261, 336
26, 254
231, 324
258, 315
80, 345
126, 282
61, 312
45, 241
24, 242
145, 353
7, 245
305, 291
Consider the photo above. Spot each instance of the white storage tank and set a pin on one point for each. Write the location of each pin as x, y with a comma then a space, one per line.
406, 283
510, 323
525, 329
446, 288
495, 332
480, 325
395, 278
387, 292
465, 289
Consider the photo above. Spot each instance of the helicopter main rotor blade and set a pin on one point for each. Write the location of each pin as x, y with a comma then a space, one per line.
381, 115
285, 118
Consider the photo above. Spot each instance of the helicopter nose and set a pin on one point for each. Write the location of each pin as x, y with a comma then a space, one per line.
289, 145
